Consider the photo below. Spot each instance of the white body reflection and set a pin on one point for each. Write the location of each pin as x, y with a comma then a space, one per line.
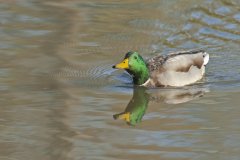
137, 106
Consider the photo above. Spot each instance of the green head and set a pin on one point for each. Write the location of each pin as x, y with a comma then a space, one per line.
135, 65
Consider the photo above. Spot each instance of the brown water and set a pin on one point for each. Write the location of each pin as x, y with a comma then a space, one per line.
58, 92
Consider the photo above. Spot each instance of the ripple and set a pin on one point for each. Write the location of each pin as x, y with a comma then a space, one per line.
92, 77
216, 23
213, 24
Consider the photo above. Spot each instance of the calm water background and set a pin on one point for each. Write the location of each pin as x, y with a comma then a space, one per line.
58, 92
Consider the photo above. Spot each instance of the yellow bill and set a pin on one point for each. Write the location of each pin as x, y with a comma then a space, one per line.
122, 65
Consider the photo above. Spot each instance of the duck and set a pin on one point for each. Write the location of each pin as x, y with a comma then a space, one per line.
175, 69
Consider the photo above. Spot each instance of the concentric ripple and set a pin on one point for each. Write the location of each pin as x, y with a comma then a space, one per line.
89, 76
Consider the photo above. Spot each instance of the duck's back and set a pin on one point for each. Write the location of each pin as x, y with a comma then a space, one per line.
178, 69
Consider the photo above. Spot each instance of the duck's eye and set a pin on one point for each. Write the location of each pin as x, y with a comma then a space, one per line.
135, 57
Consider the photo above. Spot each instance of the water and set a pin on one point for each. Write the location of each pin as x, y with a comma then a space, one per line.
58, 92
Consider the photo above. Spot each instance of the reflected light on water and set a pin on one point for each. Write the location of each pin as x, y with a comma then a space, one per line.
58, 92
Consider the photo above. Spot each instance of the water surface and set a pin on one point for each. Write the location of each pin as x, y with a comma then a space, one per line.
58, 92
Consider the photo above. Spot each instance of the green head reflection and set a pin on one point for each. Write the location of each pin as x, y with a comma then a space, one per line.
136, 108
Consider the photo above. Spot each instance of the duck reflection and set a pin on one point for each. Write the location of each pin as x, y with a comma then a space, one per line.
137, 106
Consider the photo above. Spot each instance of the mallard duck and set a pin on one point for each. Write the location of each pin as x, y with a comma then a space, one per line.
175, 69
